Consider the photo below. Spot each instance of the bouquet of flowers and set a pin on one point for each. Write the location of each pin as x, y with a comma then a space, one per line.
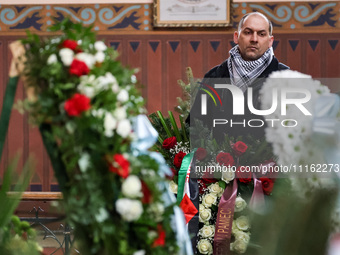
87, 106
173, 143
231, 174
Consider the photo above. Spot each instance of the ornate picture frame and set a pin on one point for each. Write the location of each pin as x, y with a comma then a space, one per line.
192, 13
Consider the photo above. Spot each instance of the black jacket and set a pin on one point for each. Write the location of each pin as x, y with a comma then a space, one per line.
220, 75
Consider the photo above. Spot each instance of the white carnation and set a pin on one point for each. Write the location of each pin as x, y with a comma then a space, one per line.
124, 128
66, 56
123, 96
52, 59
100, 46
129, 209
110, 123
132, 187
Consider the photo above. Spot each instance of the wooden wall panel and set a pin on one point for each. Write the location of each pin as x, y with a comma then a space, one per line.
174, 70
313, 57
215, 56
154, 82
294, 54
3, 79
195, 56
332, 59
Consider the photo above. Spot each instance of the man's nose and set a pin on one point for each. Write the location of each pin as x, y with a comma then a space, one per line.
254, 37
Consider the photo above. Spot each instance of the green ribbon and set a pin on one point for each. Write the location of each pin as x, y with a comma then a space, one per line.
7, 109
182, 173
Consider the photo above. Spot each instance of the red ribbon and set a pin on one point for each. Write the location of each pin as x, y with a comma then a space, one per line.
224, 220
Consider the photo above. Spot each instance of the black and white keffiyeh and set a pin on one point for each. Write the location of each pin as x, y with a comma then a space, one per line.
242, 72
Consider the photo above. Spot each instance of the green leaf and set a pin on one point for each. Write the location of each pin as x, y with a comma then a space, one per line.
174, 125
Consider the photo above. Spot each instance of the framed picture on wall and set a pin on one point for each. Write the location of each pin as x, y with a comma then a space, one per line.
192, 13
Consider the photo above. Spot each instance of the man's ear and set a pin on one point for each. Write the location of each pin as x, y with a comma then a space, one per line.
236, 37
271, 41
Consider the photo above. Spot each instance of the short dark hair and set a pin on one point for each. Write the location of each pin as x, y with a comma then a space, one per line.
240, 24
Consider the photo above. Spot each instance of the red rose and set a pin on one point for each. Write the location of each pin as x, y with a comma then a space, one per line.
71, 44
267, 185
179, 158
169, 143
146, 194
77, 104
239, 148
201, 153
225, 159
120, 166
160, 241
245, 176
78, 68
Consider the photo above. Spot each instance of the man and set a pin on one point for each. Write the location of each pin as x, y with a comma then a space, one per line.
250, 62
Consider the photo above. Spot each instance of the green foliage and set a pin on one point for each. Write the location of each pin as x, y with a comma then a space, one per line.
16, 237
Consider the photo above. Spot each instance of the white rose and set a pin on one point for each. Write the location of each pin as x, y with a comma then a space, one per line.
52, 59
99, 57
242, 223
204, 246
124, 128
216, 189
239, 246
100, 46
120, 113
123, 96
173, 187
66, 56
228, 176
98, 113
87, 58
204, 214
132, 187
234, 228
130, 210
207, 231
240, 204
209, 199
110, 124
244, 236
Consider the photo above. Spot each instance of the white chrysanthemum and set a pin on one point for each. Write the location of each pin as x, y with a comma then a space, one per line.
100, 46
129, 209
52, 59
110, 123
66, 56
132, 187
292, 145
87, 58
124, 128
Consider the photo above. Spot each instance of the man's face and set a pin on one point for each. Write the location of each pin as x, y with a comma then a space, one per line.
254, 39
